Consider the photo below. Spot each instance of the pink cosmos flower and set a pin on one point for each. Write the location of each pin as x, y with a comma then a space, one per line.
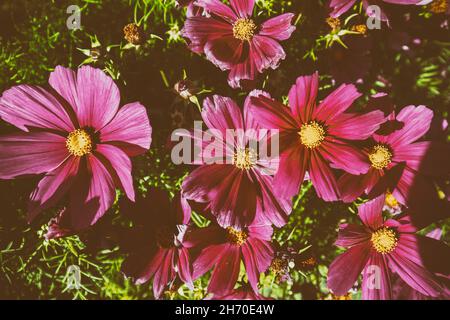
77, 137
382, 248
316, 137
156, 243
239, 190
232, 40
342, 6
224, 249
398, 163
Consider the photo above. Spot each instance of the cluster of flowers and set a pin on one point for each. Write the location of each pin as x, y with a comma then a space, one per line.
81, 141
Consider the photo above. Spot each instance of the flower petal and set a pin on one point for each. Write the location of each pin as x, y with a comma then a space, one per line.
351, 235
92, 195
184, 268
98, 98
243, 8
376, 283
218, 8
33, 107
356, 127
226, 272
52, 187
266, 53
207, 259
30, 153
130, 130
371, 213
323, 178
164, 274
416, 122
344, 156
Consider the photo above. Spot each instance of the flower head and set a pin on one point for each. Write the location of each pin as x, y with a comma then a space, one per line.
316, 137
379, 249
78, 138
156, 244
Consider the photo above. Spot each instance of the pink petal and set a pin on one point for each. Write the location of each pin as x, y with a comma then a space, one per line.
271, 114
260, 230
207, 259
427, 157
266, 53
142, 266
376, 273
98, 98
414, 275
199, 30
92, 194
218, 8
130, 130
164, 274
340, 7
336, 103
279, 27
30, 106
184, 268
243, 8
30, 153
351, 235
64, 81
345, 269
222, 113
245, 70
352, 186
52, 187
371, 213
302, 96
120, 165
225, 51
416, 122
291, 172
323, 178
356, 127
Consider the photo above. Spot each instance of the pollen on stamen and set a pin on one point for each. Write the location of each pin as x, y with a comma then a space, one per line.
384, 240
79, 143
237, 237
312, 134
380, 157
244, 29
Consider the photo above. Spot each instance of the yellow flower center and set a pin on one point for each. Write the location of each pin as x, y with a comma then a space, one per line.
236, 236
360, 28
439, 6
380, 156
278, 266
244, 29
312, 134
245, 159
334, 23
79, 143
384, 240
390, 200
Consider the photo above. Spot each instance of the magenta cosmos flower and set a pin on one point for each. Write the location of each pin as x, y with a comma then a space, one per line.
239, 190
224, 249
156, 244
342, 6
316, 137
382, 248
398, 163
78, 138
232, 40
